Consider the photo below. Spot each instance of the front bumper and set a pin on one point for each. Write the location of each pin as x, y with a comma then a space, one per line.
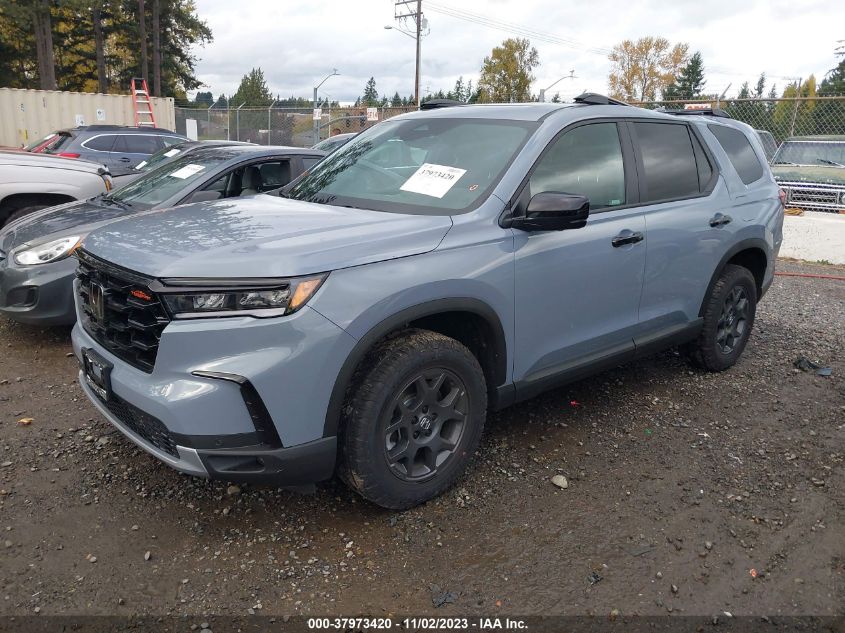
41, 295
238, 399
293, 466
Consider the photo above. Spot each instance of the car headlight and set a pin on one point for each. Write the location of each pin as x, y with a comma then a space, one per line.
48, 252
276, 298
842, 197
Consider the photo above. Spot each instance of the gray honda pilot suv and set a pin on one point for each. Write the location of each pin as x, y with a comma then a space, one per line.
442, 264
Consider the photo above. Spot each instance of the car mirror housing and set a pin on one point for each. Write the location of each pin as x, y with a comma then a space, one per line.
554, 211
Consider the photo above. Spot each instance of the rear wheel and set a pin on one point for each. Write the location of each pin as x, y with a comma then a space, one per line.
414, 419
728, 319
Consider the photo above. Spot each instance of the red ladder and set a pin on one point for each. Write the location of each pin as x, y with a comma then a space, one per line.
143, 106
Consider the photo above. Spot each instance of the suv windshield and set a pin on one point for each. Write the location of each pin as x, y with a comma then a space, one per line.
168, 180
423, 166
811, 153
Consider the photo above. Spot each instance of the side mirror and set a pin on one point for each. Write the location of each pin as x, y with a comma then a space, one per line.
553, 211
204, 196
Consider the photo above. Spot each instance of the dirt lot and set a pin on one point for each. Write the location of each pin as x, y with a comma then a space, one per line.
682, 487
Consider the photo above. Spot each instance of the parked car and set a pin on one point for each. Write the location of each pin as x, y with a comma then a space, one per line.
811, 170
441, 264
334, 142
29, 182
770, 145
36, 273
165, 155
115, 146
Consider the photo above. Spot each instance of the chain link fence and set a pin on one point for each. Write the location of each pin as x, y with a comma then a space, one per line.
782, 117
295, 126
277, 126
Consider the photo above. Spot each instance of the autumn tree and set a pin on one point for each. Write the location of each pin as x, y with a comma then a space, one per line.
644, 68
507, 73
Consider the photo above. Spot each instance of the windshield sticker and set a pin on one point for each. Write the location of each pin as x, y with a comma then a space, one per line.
172, 152
187, 171
433, 180
141, 164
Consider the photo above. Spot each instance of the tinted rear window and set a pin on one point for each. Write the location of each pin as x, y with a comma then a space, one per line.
101, 143
669, 162
739, 151
136, 144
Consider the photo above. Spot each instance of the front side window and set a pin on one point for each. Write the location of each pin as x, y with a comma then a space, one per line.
739, 151
432, 166
585, 161
669, 162
158, 185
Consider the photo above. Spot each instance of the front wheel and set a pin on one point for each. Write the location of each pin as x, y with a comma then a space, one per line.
728, 319
413, 420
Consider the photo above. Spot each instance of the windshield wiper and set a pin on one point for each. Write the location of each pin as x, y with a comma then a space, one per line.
786, 162
118, 203
830, 162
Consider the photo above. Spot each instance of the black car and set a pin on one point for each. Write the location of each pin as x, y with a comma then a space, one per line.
36, 270
167, 155
118, 147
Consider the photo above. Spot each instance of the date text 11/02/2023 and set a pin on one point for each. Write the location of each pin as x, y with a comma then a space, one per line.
418, 624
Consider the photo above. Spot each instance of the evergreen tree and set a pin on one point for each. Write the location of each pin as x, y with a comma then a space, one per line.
689, 84
396, 101
370, 98
253, 90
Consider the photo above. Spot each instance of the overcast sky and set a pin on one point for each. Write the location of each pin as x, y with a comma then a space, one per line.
298, 42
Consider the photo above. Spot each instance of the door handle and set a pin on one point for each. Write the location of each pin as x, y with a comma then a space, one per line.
125, 159
720, 219
627, 237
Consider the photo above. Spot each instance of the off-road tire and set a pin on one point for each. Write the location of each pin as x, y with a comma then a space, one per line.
706, 351
381, 379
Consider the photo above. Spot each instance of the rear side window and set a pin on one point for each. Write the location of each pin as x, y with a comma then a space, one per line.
739, 151
136, 144
671, 171
705, 169
101, 143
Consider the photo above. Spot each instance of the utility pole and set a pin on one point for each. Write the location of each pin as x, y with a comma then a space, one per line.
403, 10
419, 38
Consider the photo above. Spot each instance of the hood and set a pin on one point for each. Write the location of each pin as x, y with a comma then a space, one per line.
73, 218
261, 236
821, 174
29, 159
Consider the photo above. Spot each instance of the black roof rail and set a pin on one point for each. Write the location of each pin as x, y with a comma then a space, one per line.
432, 104
699, 111
593, 98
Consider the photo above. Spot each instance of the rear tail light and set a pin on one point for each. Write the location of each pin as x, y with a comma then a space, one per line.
782, 197
68, 155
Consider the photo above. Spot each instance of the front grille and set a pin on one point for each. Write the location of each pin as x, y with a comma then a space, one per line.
814, 197
128, 325
142, 424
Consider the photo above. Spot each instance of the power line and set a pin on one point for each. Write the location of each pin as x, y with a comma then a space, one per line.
512, 28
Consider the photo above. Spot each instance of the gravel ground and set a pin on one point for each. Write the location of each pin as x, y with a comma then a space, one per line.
687, 493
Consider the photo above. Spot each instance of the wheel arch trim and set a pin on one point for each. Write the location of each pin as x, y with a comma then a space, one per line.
751, 243
396, 322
